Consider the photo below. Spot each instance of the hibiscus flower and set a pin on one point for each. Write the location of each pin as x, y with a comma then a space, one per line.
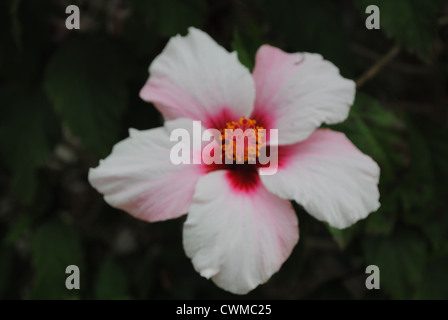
241, 226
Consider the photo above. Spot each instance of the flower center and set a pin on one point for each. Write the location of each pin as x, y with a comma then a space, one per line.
242, 140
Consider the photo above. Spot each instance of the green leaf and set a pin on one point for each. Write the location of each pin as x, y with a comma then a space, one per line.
418, 187
143, 276
239, 46
437, 232
247, 39
435, 280
412, 23
376, 131
173, 16
111, 282
24, 39
344, 237
435, 137
382, 222
54, 246
400, 258
311, 26
20, 226
85, 81
29, 130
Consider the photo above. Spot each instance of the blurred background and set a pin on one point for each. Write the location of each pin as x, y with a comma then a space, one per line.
67, 96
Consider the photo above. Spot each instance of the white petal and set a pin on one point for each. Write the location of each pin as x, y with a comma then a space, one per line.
297, 92
196, 78
238, 238
139, 177
329, 177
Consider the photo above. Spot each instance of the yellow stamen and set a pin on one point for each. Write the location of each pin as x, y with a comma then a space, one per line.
251, 151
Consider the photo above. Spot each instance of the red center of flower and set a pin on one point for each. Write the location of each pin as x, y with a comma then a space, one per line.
242, 162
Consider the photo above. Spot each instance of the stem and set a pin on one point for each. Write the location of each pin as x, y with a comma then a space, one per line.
442, 21
378, 66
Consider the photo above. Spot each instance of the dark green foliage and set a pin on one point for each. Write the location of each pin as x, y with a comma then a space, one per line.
401, 258
66, 97
412, 23
28, 132
111, 282
433, 284
312, 26
85, 81
54, 246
